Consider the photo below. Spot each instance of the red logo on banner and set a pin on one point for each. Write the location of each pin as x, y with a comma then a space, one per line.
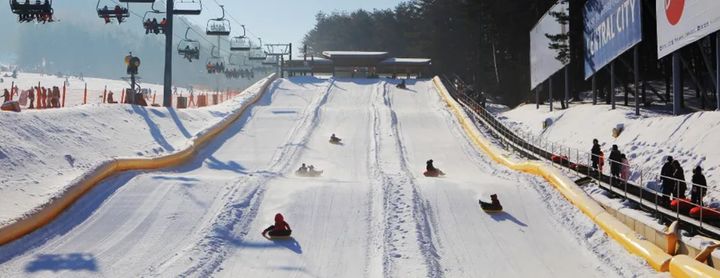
674, 10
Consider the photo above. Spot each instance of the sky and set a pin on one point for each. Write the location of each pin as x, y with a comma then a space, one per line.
283, 21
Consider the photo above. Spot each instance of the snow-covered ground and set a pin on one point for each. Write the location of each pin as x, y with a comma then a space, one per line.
646, 140
371, 214
42, 152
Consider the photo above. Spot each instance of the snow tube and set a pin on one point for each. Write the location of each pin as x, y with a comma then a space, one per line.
310, 174
707, 213
279, 235
433, 174
335, 141
685, 205
490, 207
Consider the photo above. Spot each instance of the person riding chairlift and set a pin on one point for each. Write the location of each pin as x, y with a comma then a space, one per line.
119, 13
280, 229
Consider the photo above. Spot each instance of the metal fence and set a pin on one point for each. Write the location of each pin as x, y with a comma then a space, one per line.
641, 186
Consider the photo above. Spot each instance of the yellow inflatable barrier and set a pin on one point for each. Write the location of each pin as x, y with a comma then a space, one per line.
55, 207
683, 266
654, 255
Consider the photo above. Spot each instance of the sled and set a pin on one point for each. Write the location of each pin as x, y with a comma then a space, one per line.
707, 213
685, 205
433, 174
279, 237
309, 174
491, 207
336, 141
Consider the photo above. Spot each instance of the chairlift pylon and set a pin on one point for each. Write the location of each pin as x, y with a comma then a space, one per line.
218, 26
187, 7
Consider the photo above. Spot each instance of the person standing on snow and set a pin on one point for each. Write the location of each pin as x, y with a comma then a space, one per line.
595, 151
281, 228
615, 159
699, 187
625, 168
668, 185
679, 175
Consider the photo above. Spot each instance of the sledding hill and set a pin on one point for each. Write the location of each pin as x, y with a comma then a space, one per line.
371, 214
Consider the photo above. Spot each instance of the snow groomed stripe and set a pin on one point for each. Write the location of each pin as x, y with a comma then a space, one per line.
632, 241
82, 185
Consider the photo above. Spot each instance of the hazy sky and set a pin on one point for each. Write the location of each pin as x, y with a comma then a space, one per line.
282, 21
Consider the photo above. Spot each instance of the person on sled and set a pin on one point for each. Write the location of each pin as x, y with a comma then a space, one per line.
401, 85
280, 229
334, 139
303, 169
431, 170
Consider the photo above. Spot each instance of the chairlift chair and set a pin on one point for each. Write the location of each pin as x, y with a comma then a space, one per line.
32, 10
218, 26
214, 61
240, 43
188, 48
257, 55
270, 61
160, 28
187, 7
111, 12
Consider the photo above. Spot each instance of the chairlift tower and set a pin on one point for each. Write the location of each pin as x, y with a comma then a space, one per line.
279, 50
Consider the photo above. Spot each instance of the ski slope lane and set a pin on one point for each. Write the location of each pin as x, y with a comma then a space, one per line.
329, 215
526, 240
145, 224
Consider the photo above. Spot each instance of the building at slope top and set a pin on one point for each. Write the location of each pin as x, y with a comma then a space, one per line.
359, 64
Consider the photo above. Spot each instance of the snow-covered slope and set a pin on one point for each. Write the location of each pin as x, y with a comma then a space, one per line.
646, 140
42, 152
371, 214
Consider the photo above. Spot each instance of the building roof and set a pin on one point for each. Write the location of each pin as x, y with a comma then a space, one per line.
407, 61
354, 55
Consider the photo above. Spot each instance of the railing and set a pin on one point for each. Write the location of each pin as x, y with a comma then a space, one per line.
636, 187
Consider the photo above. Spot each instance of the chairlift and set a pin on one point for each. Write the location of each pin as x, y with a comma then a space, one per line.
215, 64
187, 7
240, 43
257, 53
27, 11
189, 49
270, 61
151, 24
117, 12
218, 26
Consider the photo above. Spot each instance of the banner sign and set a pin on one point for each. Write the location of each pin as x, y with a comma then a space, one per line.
543, 63
682, 22
611, 28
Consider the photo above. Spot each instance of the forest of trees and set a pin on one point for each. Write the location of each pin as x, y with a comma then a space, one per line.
461, 37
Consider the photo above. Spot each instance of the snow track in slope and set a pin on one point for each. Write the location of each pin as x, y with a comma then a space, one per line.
404, 239
233, 222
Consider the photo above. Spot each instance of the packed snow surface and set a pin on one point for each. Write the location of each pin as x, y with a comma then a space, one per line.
371, 214
44, 151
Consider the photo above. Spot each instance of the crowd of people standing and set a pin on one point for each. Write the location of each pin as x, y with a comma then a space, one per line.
672, 175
